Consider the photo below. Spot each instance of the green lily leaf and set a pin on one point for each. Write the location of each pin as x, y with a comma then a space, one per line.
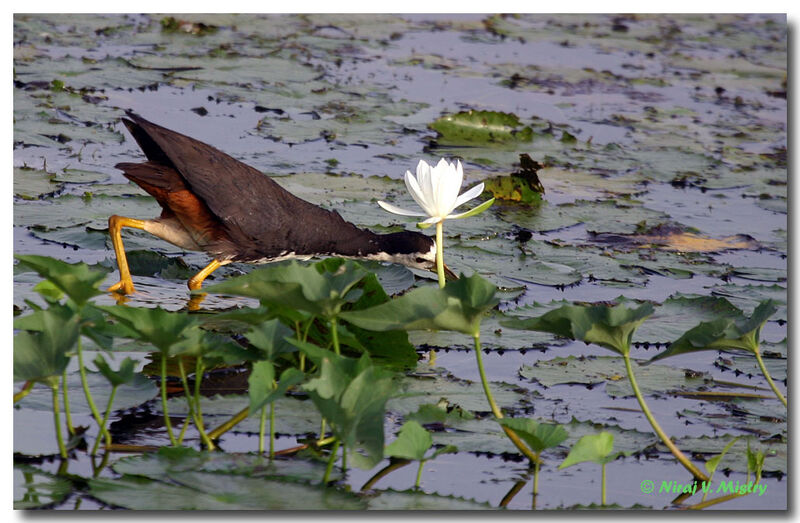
755, 461
78, 281
262, 388
609, 327
412, 442
458, 307
538, 436
49, 291
268, 337
591, 447
481, 127
351, 395
308, 288
164, 329
42, 355
124, 375
723, 333
713, 462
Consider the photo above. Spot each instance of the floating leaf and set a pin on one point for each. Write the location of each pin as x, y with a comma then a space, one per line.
36, 489
521, 186
218, 491
481, 127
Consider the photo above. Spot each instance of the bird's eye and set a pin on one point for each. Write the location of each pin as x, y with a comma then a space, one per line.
421, 260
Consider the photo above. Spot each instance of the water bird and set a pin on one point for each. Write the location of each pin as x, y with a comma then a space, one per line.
216, 204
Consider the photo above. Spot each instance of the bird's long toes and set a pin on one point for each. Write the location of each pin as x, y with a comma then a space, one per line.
122, 287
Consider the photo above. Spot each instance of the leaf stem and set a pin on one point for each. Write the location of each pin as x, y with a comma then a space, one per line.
193, 403
262, 428
87, 393
419, 474
440, 253
393, 465
536, 465
272, 430
335, 335
495, 409
764, 371
167, 422
228, 425
331, 461
26, 389
656, 427
603, 485
65, 394
105, 420
57, 420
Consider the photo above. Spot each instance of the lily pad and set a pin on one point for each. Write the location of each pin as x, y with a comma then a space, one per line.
481, 127
429, 387
36, 489
416, 500
218, 491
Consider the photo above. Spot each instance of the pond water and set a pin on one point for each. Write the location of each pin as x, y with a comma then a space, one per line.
663, 145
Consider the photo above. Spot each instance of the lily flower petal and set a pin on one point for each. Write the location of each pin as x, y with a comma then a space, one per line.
435, 189
397, 210
470, 194
412, 184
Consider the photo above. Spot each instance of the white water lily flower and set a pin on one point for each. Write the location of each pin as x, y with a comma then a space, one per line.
435, 189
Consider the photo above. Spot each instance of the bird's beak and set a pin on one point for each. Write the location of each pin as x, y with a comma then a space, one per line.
448, 274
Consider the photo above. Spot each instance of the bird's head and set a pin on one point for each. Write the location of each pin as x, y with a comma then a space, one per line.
412, 249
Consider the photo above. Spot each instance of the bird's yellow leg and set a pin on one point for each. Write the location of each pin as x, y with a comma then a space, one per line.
115, 225
197, 280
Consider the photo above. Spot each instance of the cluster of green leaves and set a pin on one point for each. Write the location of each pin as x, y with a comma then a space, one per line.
328, 331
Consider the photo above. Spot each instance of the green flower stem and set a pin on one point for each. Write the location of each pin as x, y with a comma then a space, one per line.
272, 430
335, 335
419, 475
65, 395
167, 422
105, 421
262, 428
57, 420
331, 461
26, 389
536, 465
495, 409
764, 371
88, 394
656, 427
440, 253
228, 425
603, 485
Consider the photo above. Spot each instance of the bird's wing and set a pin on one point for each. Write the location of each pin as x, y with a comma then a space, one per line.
259, 215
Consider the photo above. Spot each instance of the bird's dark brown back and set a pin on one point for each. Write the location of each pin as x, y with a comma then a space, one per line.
261, 218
